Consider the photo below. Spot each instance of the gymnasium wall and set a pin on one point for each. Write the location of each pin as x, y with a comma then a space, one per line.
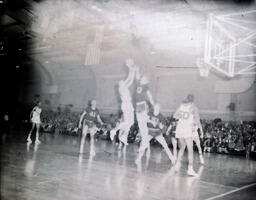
169, 87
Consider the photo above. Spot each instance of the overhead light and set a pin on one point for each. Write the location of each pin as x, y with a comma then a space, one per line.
46, 61
17, 66
20, 49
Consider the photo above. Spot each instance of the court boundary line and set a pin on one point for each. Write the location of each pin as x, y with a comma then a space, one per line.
230, 192
221, 185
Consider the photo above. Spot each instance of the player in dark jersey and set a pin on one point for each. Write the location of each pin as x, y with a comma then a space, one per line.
171, 131
155, 126
88, 121
143, 99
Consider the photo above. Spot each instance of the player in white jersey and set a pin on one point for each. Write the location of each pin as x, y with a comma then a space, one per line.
185, 115
196, 139
126, 105
36, 121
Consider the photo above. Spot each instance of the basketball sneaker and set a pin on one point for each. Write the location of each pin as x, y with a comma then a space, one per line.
201, 159
191, 172
112, 134
177, 166
29, 140
37, 141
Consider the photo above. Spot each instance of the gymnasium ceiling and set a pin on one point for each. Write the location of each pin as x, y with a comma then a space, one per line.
62, 31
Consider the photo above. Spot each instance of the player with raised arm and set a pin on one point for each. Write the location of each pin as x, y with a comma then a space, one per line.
143, 100
126, 105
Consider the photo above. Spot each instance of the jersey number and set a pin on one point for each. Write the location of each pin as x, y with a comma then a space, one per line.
184, 115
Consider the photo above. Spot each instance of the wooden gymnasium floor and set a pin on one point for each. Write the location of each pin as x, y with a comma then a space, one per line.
56, 170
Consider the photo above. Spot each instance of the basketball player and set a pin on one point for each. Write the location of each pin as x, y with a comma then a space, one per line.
126, 105
171, 131
143, 99
196, 139
185, 115
36, 121
155, 126
88, 121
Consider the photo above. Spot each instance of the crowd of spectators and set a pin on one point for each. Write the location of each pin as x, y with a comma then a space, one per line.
229, 137
219, 136
60, 122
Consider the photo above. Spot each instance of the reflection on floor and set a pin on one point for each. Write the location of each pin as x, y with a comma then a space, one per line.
56, 170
